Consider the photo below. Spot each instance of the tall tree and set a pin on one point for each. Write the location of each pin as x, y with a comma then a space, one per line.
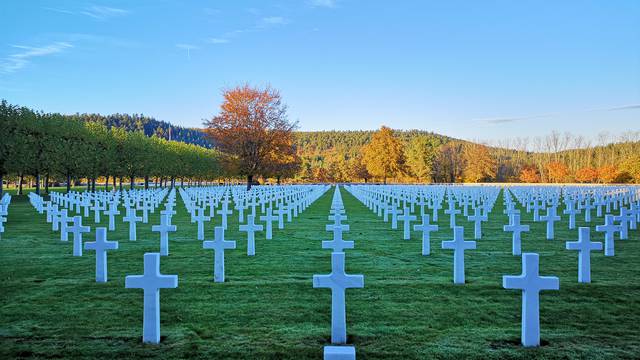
479, 165
421, 152
251, 127
383, 156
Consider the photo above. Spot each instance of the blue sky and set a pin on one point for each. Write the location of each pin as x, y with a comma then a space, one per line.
470, 69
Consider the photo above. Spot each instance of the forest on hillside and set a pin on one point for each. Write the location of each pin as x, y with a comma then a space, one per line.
148, 125
386, 155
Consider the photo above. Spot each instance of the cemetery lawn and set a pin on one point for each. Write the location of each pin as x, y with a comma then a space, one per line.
51, 306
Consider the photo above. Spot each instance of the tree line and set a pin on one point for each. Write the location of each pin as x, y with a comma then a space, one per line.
420, 156
50, 147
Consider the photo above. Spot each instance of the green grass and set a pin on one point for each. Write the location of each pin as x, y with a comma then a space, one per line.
50, 305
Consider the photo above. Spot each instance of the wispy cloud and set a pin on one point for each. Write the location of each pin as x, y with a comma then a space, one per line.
323, 3
506, 120
274, 20
103, 12
624, 107
19, 60
97, 12
188, 47
217, 41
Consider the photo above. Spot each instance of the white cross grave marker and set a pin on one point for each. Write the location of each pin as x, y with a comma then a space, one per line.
517, 229
609, 229
407, 218
338, 281
250, 228
77, 229
426, 229
458, 245
219, 245
584, 245
131, 218
164, 229
101, 245
531, 283
151, 282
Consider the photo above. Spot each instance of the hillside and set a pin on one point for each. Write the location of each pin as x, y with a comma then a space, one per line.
150, 126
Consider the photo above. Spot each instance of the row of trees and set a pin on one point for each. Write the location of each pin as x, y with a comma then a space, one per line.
57, 148
414, 156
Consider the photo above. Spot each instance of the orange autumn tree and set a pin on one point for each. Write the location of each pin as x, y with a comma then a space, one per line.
607, 174
252, 130
557, 171
480, 166
383, 156
586, 175
529, 174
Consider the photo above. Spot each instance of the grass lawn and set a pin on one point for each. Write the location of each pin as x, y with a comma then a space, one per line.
51, 306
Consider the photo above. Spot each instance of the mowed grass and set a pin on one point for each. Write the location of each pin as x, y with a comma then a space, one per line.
51, 306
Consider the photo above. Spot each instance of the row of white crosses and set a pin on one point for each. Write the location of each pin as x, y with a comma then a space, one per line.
289, 201
480, 199
530, 282
4, 211
578, 199
338, 281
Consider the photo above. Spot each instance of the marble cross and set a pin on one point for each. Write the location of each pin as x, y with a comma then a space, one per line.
516, 228
112, 212
281, 211
101, 245
77, 230
225, 211
551, 217
64, 225
219, 245
151, 282
531, 283
337, 244
250, 228
131, 218
572, 212
609, 229
477, 218
458, 245
452, 212
407, 218
269, 218
164, 229
426, 229
584, 245
338, 281
200, 218
394, 211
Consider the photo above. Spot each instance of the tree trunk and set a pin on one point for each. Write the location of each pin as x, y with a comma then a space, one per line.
37, 184
114, 182
93, 185
249, 182
68, 182
121, 178
46, 184
1, 184
173, 182
132, 181
278, 180
20, 183
146, 182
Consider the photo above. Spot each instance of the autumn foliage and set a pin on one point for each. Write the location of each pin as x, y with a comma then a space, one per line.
529, 174
253, 132
384, 156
